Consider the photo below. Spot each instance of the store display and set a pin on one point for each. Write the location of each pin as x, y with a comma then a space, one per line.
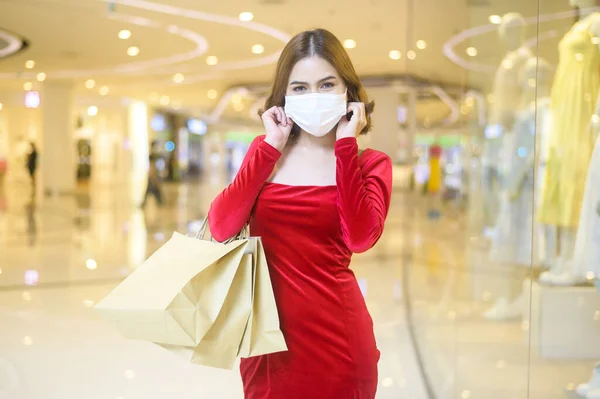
515, 228
506, 97
574, 95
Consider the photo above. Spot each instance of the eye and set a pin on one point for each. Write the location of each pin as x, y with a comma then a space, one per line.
298, 89
327, 85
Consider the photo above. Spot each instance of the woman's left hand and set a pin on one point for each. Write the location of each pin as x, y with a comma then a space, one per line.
353, 127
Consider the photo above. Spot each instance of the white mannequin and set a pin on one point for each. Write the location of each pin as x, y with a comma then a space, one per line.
565, 271
506, 94
513, 244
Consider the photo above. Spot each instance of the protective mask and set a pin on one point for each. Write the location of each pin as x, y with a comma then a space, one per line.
316, 113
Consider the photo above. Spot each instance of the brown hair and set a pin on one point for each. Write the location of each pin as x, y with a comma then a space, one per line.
324, 44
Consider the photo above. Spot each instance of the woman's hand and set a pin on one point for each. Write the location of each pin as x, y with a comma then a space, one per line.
277, 127
352, 127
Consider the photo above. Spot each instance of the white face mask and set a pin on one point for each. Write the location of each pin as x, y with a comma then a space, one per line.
316, 113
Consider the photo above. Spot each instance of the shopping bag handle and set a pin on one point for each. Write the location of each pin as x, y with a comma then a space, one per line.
243, 234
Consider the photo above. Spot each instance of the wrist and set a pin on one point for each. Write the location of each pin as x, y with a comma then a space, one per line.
277, 144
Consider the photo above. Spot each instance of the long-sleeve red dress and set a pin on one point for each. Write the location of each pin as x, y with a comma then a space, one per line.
309, 234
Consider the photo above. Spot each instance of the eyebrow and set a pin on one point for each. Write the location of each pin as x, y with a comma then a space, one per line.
306, 83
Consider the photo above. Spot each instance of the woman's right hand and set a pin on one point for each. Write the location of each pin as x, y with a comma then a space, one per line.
277, 127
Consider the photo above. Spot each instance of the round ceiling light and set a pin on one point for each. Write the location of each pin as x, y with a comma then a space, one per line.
258, 49
90, 83
212, 94
124, 34
29, 64
164, 100
133, 51
27, 86
495, 19
40, 77
472, 52
421, 44
92, 111
246, 16
103, 90
350, 43
178, 78
411, 55
212, 60
395, 54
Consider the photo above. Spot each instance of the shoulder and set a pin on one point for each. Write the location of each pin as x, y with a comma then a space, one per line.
595, 25
375, 162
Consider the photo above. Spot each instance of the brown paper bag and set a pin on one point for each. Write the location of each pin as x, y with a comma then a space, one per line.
176, 295
262, 335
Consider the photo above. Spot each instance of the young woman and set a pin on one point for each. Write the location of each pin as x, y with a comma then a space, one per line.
314, 198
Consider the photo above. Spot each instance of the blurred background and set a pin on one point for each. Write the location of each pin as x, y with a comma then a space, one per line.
472, 296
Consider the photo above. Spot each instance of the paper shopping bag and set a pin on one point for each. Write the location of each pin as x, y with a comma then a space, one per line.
263, 334
220, 346
177, 294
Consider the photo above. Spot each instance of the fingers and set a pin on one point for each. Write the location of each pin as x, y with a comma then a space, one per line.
358, 112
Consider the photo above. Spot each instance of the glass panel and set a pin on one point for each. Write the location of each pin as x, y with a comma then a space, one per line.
565, 305
471, 248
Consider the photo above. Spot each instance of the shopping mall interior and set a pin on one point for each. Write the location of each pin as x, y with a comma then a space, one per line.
486, 281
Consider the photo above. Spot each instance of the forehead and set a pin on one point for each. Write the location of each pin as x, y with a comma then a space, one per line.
312, 69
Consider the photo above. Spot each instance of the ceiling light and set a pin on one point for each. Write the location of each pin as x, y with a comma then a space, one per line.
246, 16
92, 111
124, 34
472, 52
91, 264
349, 43
495, 19
421, 44
90, 83
0, 110
258, 49
178, 78
164, 100
212, 94
411, 55
29, 64
41, 77
103, 90
212, 60
133, 51
27, 86
596, 40
395, 54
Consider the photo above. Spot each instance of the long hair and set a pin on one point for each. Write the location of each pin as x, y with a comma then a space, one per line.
324, 44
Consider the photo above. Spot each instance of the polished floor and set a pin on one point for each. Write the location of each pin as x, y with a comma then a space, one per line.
60, 255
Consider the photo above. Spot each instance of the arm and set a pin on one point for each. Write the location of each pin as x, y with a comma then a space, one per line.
231, 209
363, 195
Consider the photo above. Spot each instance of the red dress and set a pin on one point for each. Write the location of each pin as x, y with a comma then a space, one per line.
309, 234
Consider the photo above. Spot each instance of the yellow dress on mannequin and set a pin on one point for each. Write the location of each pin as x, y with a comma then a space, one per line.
574, 95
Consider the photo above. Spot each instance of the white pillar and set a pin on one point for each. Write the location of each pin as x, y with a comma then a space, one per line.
57, 155
411, 124
384, 136
138, 152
